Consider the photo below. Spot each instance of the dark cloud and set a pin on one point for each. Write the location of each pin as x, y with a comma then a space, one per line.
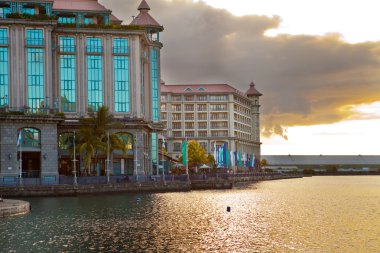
305, 80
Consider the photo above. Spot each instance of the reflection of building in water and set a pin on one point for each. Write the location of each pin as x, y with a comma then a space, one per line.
67, 57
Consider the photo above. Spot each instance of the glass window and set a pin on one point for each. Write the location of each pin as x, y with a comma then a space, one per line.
121, 83
94, 45
189, 107
66, 20
154, 148
89, 21
34, 37
4, 77
94, 81
203, 145
29, 10
3, 36
155, 83
177, 147
67, 44
202, 98
35, 78
120, 46
4, 11
29, 137
68, 83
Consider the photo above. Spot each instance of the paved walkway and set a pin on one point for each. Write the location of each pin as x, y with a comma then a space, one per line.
10, 207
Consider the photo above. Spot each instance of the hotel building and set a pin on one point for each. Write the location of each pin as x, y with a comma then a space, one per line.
212, 114
66, 57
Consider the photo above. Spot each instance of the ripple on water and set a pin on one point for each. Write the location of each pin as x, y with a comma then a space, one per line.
319, 214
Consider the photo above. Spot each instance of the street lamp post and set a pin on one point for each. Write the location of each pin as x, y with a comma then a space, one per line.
163, 158
108, 157
75, 162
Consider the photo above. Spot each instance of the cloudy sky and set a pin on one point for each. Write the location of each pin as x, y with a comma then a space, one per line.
316, 62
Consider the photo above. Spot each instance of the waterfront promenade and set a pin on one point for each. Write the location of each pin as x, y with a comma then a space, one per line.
97, 185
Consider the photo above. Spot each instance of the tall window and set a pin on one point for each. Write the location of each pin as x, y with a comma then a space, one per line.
4, 78
35, 78
67, 74
67, 83
154, 148
94, 73
155, 83
121, 75
95, 81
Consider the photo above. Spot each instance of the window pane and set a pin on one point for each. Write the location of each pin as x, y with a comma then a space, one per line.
95, 81
68, 83
121, 84
94, 45
35, 78
4, 78
120, 46
155, 83
34, 37
67, 44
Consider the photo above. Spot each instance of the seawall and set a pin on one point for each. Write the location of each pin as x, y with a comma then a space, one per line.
133, 187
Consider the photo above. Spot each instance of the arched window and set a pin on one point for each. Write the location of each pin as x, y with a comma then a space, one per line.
29, 137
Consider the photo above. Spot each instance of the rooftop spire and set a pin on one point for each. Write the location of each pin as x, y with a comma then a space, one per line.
252, 90
143, 6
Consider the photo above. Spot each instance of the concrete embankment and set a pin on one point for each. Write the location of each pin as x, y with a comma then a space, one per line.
132, 187
10, 207
70, 190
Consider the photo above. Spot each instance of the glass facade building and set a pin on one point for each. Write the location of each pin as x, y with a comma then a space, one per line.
60, 65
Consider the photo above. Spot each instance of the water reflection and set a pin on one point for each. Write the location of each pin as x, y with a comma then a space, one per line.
319, 214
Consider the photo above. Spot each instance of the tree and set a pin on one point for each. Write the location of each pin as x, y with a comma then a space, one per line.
93, 136
264, 163
196, 154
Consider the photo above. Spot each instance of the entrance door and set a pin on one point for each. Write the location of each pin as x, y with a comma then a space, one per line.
31, 164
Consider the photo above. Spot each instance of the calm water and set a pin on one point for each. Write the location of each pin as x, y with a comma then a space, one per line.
318, 214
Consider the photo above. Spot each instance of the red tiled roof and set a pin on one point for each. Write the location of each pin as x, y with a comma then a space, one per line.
198, 88
115, 20
252, 90
79, 5
144, 18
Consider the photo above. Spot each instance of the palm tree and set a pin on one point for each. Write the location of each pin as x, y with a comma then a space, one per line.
93, 136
